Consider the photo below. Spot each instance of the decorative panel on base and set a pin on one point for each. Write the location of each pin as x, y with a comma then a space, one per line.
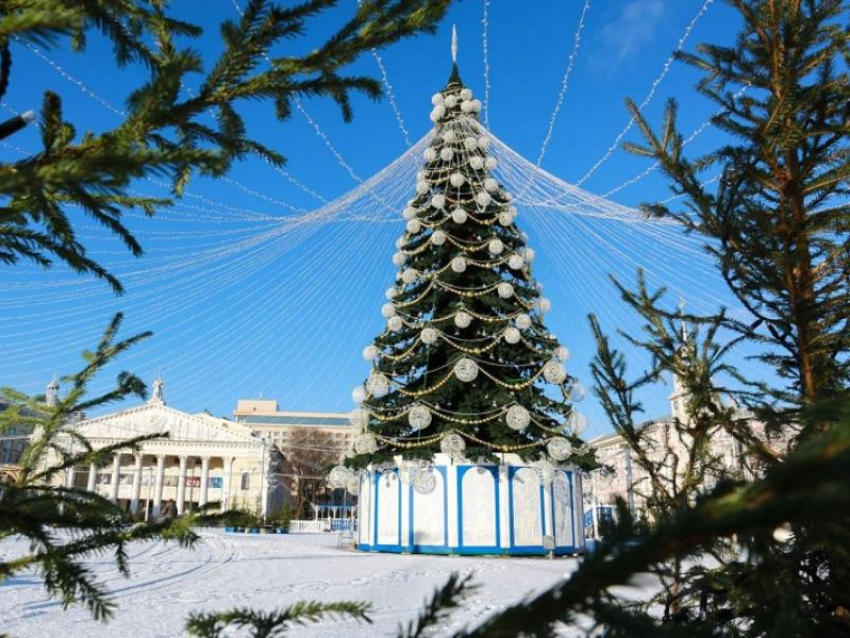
472, 509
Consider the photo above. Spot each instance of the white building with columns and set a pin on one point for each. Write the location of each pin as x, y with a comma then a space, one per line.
202, 459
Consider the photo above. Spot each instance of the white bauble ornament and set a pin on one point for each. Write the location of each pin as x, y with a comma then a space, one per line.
371, 352
463, 319
511, 335
517, 417
457, 180
414, 226
377, 384
476, 106
577, 392
439, 111
425, 480
545, 472
400, 242
554, 372
409, 276
422, 187
339, 476
420, 175
429, 154
483, 198
466, 369
476, 163
538, 286
516, 262
391, 293
447, 154
559, 448
438, 201
388, 310
470, 143
506, 219
450, 101
358, 394
466, 106
459, 216
529, 255
523, 322
366, 444
466, 94
409, 212
359, 418
459, 264
491, 163
437, 98
491, 185
433, 116
544, 305
495, 246
577, 422
449, 136
394, 324
419, 417
428, 336
505, 290
453, 445
513, 211
438, 238
562, 353
399, 259
353, 485
484, 142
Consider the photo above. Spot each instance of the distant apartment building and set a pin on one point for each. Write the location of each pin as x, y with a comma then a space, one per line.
282, 427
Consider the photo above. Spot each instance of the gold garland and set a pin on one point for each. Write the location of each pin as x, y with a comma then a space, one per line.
509, 386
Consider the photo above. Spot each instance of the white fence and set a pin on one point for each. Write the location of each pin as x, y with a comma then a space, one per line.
321, 525
312, 525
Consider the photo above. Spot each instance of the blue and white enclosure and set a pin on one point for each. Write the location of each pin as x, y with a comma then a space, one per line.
514, 508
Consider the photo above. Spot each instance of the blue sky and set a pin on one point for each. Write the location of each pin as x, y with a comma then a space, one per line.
302, 345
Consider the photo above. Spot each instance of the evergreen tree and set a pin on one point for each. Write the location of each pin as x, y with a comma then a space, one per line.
461, 363
167, 130
778, 223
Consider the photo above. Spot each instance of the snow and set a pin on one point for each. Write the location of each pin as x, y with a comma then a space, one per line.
267, 572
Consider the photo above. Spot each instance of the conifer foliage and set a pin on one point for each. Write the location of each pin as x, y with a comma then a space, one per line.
464, 361
168, 130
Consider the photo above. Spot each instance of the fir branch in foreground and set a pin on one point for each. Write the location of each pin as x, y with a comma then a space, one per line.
271, 624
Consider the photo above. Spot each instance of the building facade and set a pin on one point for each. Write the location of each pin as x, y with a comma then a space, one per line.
621, 476
198, 460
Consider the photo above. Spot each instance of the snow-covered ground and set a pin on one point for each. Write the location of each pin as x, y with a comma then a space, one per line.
266, 572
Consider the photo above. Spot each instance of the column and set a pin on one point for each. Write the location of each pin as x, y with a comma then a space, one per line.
137, 484
227, 482
205, 480
70, 473
159, 481
181, 485
116, 472
264, 483
92, 484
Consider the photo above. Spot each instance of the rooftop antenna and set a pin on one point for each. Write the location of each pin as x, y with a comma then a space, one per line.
454, 43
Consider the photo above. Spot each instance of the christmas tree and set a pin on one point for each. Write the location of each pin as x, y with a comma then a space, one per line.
465, 361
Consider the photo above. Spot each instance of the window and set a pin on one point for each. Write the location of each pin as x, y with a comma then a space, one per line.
246, 481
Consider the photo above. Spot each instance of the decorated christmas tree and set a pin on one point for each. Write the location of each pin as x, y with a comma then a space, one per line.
466, 365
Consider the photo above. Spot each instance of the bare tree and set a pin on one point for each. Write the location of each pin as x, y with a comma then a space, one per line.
307, 453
